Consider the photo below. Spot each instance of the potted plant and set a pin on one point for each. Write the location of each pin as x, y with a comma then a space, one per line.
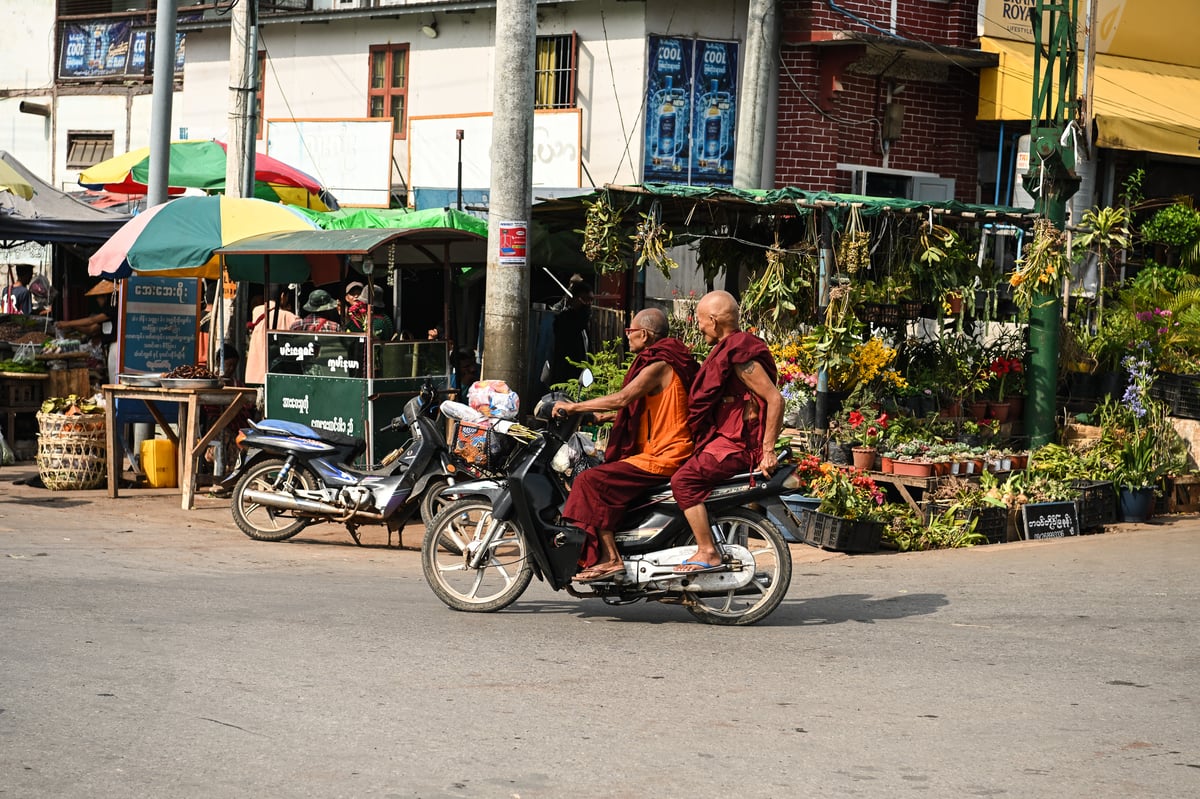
1142, 440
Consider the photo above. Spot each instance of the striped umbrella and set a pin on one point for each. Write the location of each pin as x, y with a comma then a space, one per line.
178, 237
201, 165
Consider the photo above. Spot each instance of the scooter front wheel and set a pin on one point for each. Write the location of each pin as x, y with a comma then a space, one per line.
772, 571
465, 531
261, 522
432, 502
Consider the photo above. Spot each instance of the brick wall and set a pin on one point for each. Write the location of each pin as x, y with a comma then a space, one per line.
938, 131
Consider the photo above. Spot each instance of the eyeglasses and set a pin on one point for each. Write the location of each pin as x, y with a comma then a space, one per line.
632, 330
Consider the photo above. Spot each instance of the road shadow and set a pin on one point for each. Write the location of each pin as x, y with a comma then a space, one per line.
837, 609
58, 501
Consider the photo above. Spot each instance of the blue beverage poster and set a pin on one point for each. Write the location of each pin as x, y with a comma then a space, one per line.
714, 109
665, 156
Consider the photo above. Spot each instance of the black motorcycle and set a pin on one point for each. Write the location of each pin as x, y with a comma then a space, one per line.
482, 550
293, 475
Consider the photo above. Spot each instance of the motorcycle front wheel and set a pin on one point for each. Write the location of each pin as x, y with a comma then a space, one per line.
772, 571
462, 528
261, 522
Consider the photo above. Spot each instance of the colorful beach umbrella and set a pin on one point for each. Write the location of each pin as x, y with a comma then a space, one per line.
178, 237
199, 164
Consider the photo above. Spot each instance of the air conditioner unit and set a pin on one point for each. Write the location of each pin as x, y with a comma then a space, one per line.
877, 181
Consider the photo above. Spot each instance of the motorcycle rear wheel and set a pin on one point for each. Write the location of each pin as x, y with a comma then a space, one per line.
772, 571
450, 539
263, 523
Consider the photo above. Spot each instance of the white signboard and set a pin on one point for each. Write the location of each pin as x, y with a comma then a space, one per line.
350, 157
433, 150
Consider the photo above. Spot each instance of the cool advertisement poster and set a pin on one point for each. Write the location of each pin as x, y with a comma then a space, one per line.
714, 110
691, 107
668, 98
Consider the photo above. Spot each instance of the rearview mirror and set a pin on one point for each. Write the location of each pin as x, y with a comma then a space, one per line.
586, 378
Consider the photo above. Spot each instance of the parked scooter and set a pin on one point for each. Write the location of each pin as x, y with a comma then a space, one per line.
482, 550
293, 475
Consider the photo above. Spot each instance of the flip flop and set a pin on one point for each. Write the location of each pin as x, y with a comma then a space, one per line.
593, 574
704, 567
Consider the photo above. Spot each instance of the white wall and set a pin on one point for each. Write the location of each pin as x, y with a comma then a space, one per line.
321, 71
27, 70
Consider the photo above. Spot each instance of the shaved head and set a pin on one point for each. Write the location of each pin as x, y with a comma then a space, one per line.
654, 320
720, 304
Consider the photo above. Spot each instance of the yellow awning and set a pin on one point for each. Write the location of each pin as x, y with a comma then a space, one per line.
1138, 105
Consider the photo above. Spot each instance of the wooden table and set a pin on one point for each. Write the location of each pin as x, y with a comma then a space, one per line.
189, 401
904, 482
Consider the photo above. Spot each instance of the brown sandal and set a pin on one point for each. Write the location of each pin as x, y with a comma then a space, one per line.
594, 573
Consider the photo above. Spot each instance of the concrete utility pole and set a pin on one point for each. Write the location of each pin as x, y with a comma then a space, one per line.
160, 110
506, 306
759, 74
243, 85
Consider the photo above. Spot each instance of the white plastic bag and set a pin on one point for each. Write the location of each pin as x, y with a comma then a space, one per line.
7, 458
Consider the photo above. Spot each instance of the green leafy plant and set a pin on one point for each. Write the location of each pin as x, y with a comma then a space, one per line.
608, 368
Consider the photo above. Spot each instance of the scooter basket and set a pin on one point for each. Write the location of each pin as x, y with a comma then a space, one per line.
479, 446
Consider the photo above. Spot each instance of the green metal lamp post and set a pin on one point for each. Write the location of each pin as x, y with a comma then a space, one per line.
1051, 180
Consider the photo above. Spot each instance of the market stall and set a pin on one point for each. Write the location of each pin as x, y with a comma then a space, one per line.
353, 383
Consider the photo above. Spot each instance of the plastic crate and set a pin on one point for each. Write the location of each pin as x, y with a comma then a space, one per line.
991, 522
888, 315
1097, 503
840, 535
1180, 393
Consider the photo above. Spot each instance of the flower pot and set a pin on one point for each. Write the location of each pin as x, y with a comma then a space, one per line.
1000, 411
954, 302
864, 458
951, 410
828, 403
978, 410
808, 416
1016, 406
912, 468
1137, 503
886, 464
839, 454
1020, 461
941, 468
977, 465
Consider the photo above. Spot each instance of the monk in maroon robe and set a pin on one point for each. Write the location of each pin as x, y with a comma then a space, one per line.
650, 439
735, 413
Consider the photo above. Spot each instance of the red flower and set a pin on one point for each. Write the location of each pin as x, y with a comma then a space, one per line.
855, 419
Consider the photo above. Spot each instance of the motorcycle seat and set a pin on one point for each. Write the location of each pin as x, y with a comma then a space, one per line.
298, 430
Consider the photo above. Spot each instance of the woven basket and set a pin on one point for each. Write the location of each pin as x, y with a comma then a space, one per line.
71, 451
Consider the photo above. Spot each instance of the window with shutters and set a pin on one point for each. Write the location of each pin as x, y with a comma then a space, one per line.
387, 95
87, 148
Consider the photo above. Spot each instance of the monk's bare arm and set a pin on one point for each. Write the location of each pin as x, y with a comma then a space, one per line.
651, 380
758, 382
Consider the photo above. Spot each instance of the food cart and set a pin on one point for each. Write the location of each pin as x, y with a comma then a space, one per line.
353, 383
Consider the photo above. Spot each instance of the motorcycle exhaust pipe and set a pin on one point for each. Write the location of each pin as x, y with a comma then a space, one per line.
286, 502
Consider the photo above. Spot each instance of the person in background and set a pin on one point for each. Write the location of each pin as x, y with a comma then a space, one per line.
350, 295
274, 315
649, 439
735, 413
382, 327
98, 326
16, 297
570, 333
466, 371
321, 314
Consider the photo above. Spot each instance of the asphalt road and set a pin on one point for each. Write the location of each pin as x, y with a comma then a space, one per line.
149, 652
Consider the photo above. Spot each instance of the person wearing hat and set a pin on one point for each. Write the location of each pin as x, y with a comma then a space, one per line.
349, 296
94, 323
382, 326
321, 314
97, 326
